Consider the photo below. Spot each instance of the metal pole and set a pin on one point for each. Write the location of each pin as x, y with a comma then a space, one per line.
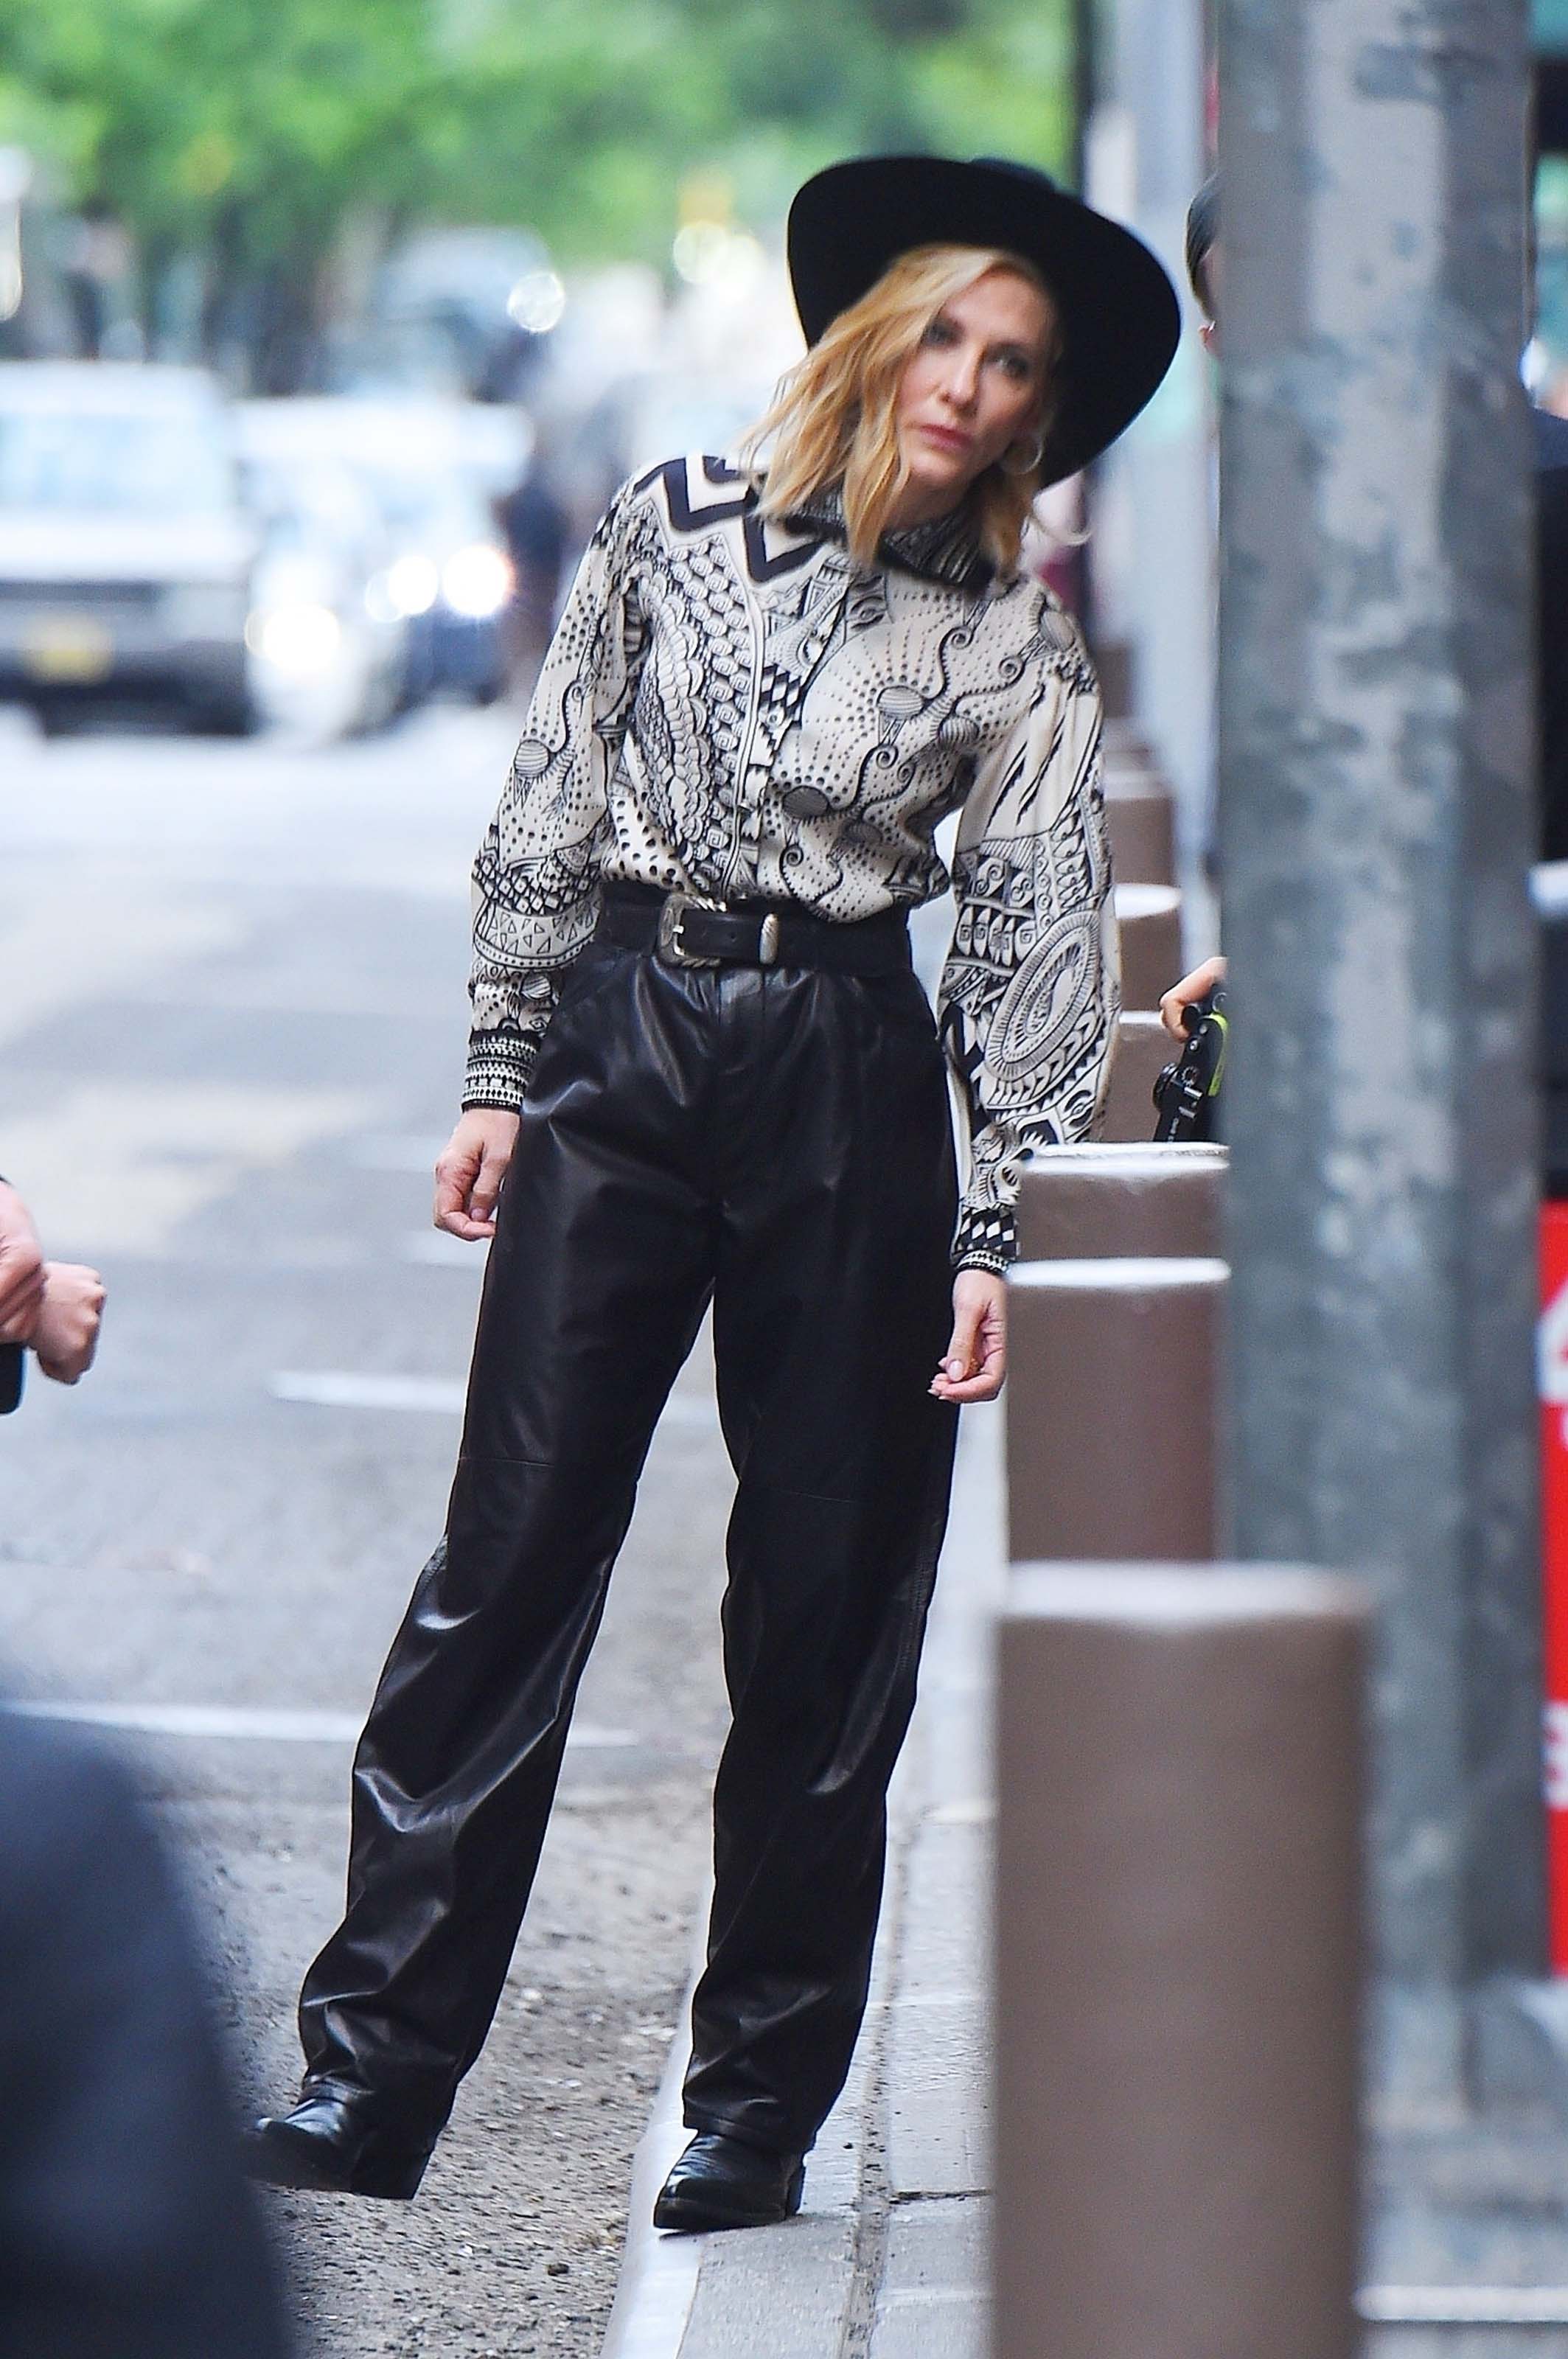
1376, 826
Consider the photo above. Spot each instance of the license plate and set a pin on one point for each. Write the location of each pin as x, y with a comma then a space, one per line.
69, 648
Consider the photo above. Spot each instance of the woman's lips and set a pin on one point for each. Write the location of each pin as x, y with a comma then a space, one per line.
947, 438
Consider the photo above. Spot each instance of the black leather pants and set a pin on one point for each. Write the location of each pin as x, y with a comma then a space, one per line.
776, 1140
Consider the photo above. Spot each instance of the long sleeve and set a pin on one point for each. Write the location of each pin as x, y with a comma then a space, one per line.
536, 880
1031, 991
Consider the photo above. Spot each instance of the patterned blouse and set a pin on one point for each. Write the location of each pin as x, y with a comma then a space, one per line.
732, 706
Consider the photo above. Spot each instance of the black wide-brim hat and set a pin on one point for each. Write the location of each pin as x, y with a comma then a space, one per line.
1119, 319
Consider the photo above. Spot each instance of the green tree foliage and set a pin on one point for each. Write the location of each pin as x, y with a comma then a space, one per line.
245, 133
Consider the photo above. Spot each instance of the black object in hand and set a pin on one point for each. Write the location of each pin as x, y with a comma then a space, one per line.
12, 1360
1186, 1095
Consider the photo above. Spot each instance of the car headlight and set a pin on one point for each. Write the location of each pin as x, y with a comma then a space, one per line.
411, 584
204, 610
476, 581
300, 642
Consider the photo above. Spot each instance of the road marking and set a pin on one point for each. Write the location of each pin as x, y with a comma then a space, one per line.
1464, 2305
345, 1388
267, 1727
329, 1389
439, 1249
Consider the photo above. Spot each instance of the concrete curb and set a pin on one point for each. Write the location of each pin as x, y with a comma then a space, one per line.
659, 2276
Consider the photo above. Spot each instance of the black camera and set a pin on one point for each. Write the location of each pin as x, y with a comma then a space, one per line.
1186, 1095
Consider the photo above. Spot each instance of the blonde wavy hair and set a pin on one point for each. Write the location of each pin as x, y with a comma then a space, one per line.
833, 424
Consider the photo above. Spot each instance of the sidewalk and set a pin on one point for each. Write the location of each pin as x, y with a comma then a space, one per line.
888, 2258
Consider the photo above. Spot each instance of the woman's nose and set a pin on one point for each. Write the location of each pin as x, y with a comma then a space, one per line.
964, 381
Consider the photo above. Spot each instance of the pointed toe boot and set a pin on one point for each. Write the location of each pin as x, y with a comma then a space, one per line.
335, 2143
721, 2182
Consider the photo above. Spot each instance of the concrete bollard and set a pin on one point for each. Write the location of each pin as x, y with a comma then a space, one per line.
1125, 741
1143, 1049
1149, 917
1140, 817
1112, 1399
1104, 1203
1179, 1947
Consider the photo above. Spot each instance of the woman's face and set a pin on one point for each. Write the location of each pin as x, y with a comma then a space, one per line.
974, 385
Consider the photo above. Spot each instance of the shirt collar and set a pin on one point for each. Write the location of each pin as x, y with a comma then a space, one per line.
947, 550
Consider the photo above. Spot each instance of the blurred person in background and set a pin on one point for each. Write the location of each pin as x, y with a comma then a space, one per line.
1206, 268
704, 1067
126, 2230
125, 2227
1205, 271
537, 530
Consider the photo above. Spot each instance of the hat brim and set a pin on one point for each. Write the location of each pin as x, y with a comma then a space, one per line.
1119, 318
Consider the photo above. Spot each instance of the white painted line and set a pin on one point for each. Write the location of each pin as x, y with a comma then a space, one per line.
1464, 2305
344, 1388
657, 2282
340, 1389
440, 1249
267, 1727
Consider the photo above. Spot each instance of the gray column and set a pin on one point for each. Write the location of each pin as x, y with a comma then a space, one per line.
1377, 828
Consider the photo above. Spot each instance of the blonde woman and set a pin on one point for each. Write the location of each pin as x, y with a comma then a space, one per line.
706, 1072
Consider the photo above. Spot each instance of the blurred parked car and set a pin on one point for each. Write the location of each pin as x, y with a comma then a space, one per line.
431, 470
126, 556
329, 651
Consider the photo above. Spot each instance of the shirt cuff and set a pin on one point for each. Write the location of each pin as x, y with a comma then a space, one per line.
987, 1238
499, 1070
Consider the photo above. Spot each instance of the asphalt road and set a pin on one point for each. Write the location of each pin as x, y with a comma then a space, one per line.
231, 1025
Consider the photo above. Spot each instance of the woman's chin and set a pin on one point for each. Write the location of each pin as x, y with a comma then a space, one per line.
933, 481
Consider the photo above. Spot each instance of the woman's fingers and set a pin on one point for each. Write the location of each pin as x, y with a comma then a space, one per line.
486, 1190
21, 1270
1181, 996
66, 1337
455, 1174
21, 1299
470, 1171
975, 1361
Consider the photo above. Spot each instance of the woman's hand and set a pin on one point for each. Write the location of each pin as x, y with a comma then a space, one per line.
1181, 996
21, 1270
976, 1359
470, 1171
66, 1335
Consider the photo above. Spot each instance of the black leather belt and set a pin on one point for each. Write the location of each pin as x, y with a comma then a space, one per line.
685, 932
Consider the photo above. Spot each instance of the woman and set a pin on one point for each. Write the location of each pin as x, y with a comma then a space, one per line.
703, 1066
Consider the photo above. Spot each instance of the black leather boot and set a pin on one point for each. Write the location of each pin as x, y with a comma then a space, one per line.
332, 2141
721, 2182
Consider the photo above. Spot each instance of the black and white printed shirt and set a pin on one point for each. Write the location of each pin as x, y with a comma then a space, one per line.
732, 707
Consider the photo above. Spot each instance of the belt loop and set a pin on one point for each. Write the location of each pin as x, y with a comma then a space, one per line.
767, 944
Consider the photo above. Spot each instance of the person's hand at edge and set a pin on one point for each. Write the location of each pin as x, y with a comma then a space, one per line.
66, 1335
21, 1270
975, 1362
1181, 996
469, 1169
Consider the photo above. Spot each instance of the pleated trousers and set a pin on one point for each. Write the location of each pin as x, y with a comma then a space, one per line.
775, 1141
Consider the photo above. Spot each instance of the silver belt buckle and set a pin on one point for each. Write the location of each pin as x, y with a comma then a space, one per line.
671, 919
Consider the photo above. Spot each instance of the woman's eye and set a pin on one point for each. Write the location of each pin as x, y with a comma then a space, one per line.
1015, 365
939, 333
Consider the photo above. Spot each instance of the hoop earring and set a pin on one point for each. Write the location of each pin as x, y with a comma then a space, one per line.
1031, 463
